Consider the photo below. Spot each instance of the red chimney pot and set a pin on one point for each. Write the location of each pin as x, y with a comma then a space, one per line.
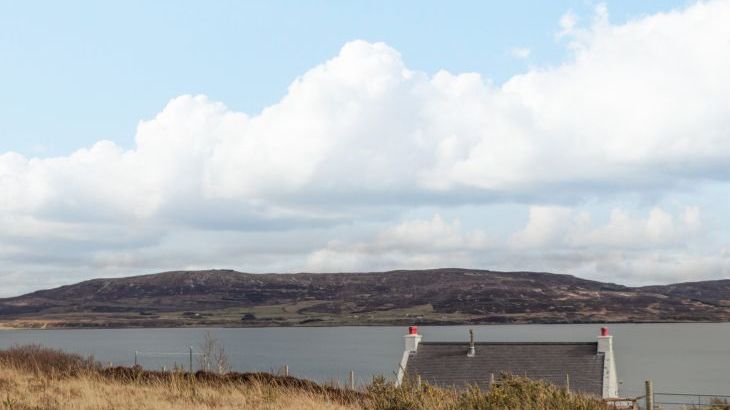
412, 330
604, 331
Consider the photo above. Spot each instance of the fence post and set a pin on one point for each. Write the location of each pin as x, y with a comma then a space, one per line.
191, 360
491, 380
567, 382
135, 358
352, 380
286, 370
649, 395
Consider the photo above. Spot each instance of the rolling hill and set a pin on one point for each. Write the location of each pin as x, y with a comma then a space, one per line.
434, 296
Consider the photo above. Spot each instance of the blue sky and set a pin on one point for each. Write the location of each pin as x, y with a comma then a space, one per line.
567, 136
79, 71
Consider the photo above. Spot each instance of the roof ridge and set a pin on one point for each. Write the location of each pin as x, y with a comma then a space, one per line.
509, 343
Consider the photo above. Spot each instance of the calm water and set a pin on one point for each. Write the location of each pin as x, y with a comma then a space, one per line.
677, 357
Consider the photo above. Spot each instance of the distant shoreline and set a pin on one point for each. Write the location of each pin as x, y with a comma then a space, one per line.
219, 326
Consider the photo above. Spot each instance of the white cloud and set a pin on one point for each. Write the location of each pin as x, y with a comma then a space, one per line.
642, 103
545, 227
638, 250
560, 227
567, 23
639, 107
434, 234
520, 52
418, 243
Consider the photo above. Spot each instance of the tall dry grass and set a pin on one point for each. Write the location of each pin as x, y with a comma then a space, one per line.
23, 390
33, 377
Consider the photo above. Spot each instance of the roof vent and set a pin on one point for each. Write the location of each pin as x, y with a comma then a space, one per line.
472, 351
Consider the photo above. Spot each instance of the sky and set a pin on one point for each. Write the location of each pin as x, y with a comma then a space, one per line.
570, 136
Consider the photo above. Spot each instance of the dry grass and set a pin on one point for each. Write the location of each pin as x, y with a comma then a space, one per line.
36, 378
24, 390
33, 377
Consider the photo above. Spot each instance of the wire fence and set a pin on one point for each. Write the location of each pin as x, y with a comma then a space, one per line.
654, 400
191, 361
667, 400
651, 400
189, 355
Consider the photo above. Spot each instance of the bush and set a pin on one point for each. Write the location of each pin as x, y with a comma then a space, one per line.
511, 392
383, 395
43, 360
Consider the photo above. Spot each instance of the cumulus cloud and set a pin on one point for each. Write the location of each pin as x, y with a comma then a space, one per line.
558, 227
657, 247
636, 249
418, 243
638, 107
644, 103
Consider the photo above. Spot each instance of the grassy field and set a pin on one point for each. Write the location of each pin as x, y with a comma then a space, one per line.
294, 314
36, 378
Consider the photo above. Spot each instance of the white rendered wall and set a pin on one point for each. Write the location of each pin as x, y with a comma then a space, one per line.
610, 378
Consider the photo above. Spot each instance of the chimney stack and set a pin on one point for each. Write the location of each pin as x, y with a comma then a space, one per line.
610, 378
412, 339
605, 341
472, 350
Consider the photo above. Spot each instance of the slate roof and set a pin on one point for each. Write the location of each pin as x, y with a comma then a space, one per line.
446, 364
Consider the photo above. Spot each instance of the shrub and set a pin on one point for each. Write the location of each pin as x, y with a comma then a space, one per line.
384, 395
511, 392
43, 360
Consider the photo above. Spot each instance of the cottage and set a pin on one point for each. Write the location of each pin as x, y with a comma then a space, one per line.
586, 367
